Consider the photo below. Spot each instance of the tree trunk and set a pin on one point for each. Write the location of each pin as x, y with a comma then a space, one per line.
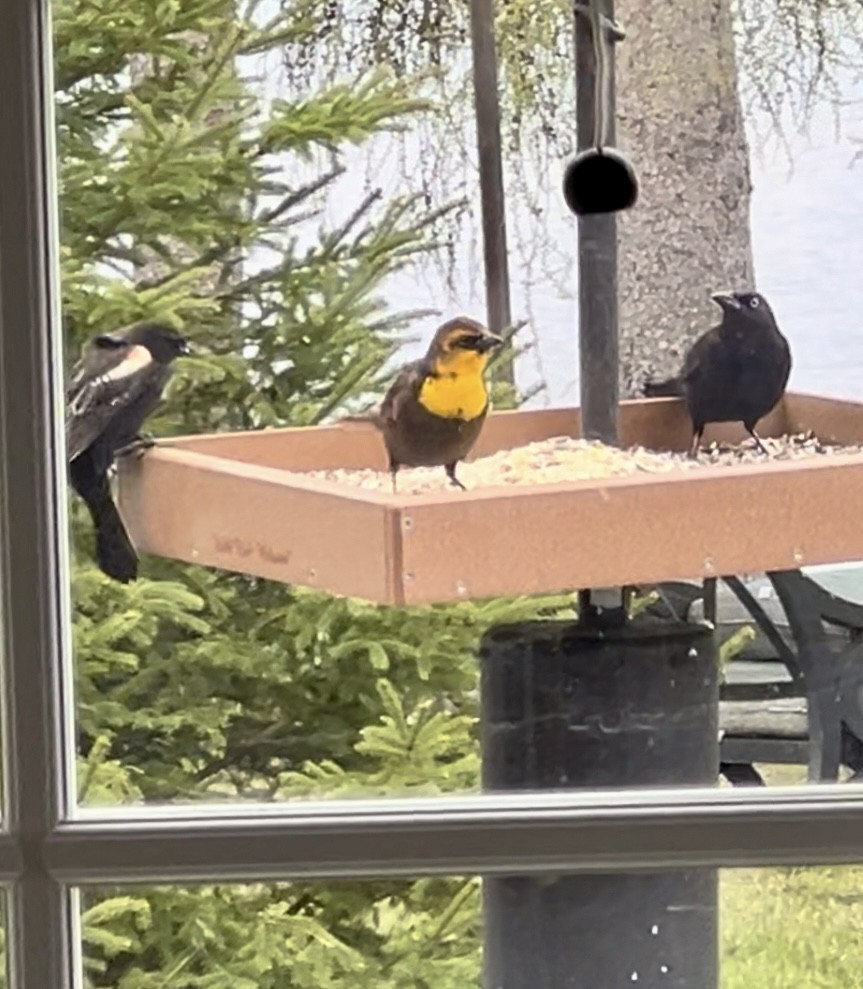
680, 120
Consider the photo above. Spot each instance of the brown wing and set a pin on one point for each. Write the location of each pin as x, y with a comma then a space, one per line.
406, 386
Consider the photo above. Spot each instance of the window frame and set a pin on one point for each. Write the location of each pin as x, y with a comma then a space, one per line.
49, 846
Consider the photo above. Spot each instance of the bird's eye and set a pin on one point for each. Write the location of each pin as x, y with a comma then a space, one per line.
754, 302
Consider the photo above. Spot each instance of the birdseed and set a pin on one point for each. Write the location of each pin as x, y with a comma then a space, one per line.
565, 458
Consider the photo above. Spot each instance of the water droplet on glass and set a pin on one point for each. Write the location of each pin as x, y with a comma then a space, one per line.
709, 564
461, 588
408, 522
798, 556
663, 969
692, 653
634, 977
409, 575
654, 930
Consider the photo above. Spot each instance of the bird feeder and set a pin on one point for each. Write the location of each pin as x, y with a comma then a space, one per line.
242, 502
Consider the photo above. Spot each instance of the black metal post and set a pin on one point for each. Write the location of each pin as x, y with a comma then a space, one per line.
570, 705
490, 165
597, 256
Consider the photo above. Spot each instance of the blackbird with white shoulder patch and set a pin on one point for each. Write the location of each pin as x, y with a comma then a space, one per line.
113, 389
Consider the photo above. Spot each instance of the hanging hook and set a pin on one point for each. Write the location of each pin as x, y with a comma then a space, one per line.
604, 32
600, 179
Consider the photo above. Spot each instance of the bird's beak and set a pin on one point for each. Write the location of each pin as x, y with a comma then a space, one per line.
488, 342
726, 300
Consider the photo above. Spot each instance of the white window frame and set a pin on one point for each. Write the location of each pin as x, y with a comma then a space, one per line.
49, 846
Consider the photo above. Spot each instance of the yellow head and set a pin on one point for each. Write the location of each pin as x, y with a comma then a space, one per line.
458, 354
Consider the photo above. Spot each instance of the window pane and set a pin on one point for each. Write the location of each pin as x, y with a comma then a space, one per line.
224, 174
359, 934
777, 927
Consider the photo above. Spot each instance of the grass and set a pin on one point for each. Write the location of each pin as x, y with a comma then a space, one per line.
792, 928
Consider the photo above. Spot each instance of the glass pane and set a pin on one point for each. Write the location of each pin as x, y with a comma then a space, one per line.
359, 934
236, 173
776, 928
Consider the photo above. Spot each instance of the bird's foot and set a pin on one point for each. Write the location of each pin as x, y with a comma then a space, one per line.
450, 473
758, 443
138, 447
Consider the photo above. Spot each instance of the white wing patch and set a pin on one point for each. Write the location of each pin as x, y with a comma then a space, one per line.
136, 360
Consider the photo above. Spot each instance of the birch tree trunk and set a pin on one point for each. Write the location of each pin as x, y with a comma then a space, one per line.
680, 119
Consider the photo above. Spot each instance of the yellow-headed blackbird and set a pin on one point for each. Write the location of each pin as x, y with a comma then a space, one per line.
735, 372
434, 410
113, 389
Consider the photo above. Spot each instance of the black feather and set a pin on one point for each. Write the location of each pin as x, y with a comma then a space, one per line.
736, 371
112, 390
670, 388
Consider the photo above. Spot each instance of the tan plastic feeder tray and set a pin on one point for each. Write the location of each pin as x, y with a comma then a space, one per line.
226, 500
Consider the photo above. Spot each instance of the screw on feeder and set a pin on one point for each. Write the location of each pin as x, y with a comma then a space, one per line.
600, 179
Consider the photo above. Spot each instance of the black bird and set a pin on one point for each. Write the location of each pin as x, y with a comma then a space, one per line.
115, 386
735, 372
433, 412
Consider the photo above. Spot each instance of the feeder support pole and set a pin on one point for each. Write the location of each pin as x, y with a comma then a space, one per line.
566, 706
597, 254
490, 165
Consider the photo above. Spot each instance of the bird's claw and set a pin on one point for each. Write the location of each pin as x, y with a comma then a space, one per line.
138, 447
450, 473
758, 442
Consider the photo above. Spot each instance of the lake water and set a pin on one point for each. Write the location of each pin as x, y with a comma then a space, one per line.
807, 232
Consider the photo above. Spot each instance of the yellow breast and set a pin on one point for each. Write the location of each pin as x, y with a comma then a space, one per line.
458, 390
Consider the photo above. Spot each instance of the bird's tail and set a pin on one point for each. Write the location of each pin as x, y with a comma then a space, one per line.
670, 388
115, 553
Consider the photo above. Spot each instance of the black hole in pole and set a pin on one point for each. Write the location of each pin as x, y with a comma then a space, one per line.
599, 182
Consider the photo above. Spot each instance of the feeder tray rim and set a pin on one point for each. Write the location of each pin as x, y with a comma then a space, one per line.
196, 500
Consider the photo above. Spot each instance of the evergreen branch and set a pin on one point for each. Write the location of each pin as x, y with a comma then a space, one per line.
298, 196
334, 238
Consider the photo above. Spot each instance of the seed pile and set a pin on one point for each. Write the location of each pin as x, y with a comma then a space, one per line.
563, 458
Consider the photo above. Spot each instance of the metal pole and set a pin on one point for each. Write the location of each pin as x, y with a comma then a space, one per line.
565, 705
597, 257
487, 108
